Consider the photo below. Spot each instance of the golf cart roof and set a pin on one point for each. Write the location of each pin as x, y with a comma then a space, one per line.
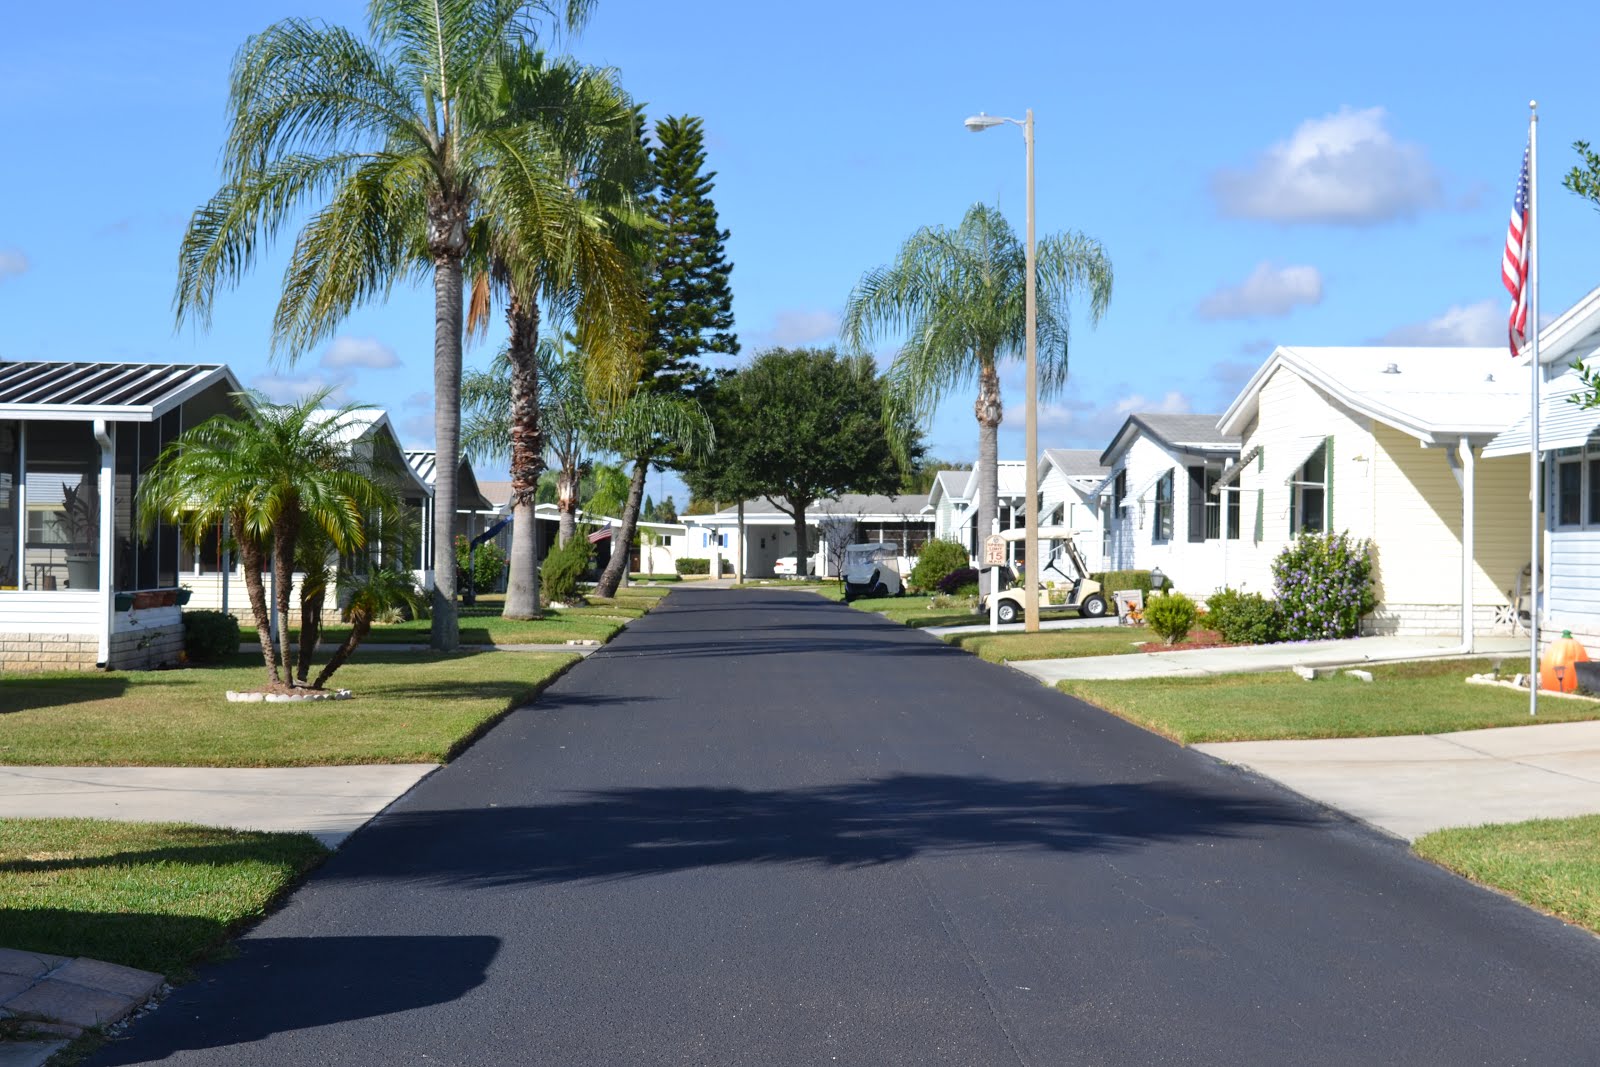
1046, 533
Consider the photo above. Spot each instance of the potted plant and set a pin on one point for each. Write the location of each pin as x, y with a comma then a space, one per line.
81, 504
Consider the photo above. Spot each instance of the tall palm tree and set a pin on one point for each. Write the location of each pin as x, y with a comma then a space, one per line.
391, 149
270, 473
648, 425
565, 240
957, 298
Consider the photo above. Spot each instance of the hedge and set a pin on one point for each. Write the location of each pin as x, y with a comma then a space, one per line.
693, 565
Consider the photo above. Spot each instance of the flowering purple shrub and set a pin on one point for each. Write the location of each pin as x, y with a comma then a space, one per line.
1324, 586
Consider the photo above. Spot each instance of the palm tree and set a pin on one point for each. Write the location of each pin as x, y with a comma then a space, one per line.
391, 149
368, 596
564, 240
270, 473
649, 425
957, 297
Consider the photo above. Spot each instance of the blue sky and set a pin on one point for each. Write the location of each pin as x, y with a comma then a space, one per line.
1259, 174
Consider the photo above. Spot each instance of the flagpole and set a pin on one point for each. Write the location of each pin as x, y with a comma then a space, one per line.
1535, 460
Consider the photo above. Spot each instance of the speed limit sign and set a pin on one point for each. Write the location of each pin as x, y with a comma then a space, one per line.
994, 551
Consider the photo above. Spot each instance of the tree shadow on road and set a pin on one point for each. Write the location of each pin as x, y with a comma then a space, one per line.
626, 833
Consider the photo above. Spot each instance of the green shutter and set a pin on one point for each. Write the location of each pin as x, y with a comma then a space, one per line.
1327, 487
1261, 500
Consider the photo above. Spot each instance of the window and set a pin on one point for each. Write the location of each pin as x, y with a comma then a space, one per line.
1163, 516
10, 445
1308, 494
1121, 488
1569, 487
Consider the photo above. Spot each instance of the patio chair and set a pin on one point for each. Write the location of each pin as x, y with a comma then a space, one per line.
1523, 598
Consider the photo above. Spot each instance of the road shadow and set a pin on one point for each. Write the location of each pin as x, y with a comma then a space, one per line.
300, 983
626, 833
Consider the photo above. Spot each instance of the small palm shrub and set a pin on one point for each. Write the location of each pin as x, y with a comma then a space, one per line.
1324, 586
1244, 618
563, 569
208, 636
1171, 616
935, 561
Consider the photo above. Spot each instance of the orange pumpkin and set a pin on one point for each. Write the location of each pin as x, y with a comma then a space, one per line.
1556, 670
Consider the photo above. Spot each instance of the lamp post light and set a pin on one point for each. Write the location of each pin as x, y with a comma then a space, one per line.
1030, 586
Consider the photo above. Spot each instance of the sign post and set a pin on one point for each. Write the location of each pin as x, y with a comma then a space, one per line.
994, 557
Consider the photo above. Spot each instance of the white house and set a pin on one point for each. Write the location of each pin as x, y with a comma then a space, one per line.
769, 532
1384, 443
1570, 460
79, 586
1156, 508
948, 503
956, 497
1069, 479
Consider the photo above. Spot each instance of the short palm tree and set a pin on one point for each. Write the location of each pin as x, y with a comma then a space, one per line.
649, 425
957, 298
390, 149
270, 473
564, 239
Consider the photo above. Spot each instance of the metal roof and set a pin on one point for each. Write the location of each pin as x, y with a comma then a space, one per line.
1176, 431
1562, 423
424, 464
128, 392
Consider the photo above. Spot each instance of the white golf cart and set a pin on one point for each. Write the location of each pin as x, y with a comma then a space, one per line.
1064, 582
872, 570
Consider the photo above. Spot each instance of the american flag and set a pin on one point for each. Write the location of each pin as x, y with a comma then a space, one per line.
1514, 262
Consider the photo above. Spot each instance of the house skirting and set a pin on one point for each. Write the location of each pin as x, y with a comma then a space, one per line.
152, 646
1422, 620
50, 651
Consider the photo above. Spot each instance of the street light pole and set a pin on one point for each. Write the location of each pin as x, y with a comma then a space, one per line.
1035, 567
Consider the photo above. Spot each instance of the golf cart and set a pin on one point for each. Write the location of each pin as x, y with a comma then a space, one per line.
872, 570
1071, 588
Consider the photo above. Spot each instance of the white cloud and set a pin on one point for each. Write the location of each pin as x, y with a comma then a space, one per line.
12, 263
359, 352
799, 327
417, 430
1269, 291
1082, 423
1342, 168
1483, 323
289, 388
418, 400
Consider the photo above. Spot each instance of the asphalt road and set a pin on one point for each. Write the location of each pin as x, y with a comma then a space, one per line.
764, 829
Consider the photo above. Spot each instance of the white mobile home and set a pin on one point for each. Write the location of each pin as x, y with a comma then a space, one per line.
769, 531
1069, 479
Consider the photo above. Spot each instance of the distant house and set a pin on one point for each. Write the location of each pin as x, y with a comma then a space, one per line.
79, 585
956, 497
1069, 480
769, 532
1384, 443
1156, 507
948, 503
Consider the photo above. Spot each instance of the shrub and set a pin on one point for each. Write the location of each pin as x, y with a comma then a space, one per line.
957, 580
693, 565
1170, 616
935, 560
1243, 618
487, 564
208, 636
1324, 586
1114, 581
563, 569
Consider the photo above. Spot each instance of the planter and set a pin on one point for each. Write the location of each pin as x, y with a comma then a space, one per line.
83, 571
122, 601
183, 596
155, 598
1588, 678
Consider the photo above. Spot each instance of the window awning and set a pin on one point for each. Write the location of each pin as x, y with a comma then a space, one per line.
1149, 484
1561, 425
1301, 450
1232, 471
1107, 486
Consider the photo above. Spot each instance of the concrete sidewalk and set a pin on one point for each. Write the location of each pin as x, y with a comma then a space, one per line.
1412, 785
330, 803
1200, 662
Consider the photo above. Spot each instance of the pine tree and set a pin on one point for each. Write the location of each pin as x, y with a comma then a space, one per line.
691, 304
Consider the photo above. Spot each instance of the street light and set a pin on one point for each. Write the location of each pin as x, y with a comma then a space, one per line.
1030, 588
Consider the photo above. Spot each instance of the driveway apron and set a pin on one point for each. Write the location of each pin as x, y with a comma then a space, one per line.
761, 828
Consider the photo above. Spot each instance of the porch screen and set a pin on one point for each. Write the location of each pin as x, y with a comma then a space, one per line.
61, 493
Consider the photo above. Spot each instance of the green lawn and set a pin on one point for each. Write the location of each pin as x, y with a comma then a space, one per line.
1052, 644
482, 626
1552, 864
1404, 698
915, 611
409, 707
155, 896
826, 587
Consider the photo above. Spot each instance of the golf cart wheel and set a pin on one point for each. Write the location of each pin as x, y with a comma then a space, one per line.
880, 590
1093, 608
1008, 611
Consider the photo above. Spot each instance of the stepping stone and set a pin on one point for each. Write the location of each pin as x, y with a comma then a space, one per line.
76, 1005
109, 978
29, 964
28, 1053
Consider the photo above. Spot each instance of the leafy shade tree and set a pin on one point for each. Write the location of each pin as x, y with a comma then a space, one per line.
690, 301
1584, 180
957, 297
386, 151
800, 425
269, 474
920, 478
606, 491
648, 426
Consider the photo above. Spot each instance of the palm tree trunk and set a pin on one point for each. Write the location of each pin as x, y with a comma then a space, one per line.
313, 593
801, 556
448, 245
989, 413
527, 458
622, 538
360, 626
567, 483
256, 591
284, 533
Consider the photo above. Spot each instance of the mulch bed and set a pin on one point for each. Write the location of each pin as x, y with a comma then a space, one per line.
1196, 639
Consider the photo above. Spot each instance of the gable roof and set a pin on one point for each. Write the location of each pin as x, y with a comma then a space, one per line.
1571, 337
469, 497
1076, 462
1429, 393
1176, 432
123, 392
1011, 474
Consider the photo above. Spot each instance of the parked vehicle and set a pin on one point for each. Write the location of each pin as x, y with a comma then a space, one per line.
785, 566
872, 570
1065, 584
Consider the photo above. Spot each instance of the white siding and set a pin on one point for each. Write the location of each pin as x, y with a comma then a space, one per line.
57, 611
1195, 567
1574, 594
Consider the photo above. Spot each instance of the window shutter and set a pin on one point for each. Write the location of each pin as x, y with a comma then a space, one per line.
1327, 487
1197, 503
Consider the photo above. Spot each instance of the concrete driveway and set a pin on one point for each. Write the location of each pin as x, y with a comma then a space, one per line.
1413, 785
